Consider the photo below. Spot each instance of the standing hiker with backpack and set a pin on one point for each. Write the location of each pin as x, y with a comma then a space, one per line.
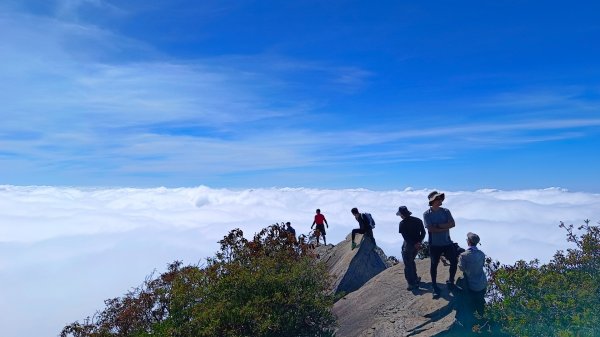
438, 221
413, 232
366, 225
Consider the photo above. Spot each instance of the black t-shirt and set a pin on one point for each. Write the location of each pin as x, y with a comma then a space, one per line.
412, 229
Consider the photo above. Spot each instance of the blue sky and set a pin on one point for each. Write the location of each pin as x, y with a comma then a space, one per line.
330, 94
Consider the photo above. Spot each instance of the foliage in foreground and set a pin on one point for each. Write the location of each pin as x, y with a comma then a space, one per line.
561, 298
269, 286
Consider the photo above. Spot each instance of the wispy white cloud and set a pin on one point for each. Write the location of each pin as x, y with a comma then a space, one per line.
568, 97
480, 128
81, 97
69, 9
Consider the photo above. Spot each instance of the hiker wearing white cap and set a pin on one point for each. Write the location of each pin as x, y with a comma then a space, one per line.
471, 262
438, 221
413, 232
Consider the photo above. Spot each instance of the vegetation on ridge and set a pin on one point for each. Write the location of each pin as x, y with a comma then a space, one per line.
561, 298
269, 286
273, 286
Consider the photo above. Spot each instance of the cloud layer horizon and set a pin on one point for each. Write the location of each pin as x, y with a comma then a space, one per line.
63, 250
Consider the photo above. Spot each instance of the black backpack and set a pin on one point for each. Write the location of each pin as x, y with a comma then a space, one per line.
369, 218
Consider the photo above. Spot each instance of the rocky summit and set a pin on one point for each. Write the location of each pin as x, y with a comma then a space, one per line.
374, 299
351, 268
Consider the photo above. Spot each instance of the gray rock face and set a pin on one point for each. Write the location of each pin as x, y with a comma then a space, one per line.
351, 268
377, 302
383, 306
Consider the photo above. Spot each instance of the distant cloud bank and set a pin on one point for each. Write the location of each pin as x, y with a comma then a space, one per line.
70, 248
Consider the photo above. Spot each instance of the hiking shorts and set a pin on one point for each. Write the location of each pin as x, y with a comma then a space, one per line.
321, 229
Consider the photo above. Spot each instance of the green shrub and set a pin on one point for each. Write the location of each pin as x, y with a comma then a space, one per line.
269, 286
561, 298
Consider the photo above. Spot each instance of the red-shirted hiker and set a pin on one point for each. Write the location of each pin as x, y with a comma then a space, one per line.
320, 221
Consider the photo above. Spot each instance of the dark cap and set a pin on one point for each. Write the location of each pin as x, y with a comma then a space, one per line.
402, 210
473, 238
354, 210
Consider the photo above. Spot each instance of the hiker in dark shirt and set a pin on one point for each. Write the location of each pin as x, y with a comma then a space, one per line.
413, 232
290, 230
364, 226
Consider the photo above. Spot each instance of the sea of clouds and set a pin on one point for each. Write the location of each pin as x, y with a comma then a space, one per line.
64, 250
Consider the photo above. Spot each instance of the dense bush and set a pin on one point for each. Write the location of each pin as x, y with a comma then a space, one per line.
269, 286
561, 298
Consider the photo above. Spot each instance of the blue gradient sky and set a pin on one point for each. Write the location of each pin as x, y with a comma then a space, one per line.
330, 94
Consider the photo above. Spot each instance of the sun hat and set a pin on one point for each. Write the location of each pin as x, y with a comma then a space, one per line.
402, 210
435, 195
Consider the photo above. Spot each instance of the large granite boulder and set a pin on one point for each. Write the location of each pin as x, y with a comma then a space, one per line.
351, 268
383, 307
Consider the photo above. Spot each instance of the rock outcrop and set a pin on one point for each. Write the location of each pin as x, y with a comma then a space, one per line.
377, 302
352, 268
383, 306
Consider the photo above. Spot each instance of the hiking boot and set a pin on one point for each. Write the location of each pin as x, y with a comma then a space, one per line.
414, 285
436, 290
450, 285
353, 244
